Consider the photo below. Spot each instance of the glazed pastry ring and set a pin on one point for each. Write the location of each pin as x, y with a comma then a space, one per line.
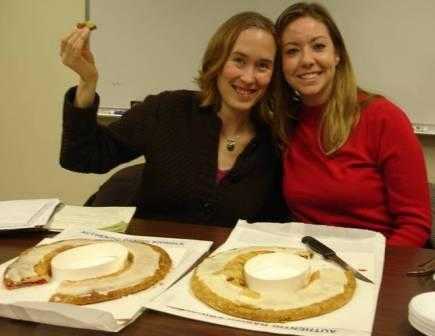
146, 265
219, 282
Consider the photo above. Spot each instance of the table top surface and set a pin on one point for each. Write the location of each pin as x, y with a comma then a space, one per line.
397, 289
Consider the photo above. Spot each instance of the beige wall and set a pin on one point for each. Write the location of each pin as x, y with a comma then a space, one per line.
32, 85
428, 143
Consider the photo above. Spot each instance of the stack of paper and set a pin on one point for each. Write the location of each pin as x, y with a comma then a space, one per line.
114, 219
25, 214
52, 215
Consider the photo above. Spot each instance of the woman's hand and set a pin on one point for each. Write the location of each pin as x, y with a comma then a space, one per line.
76, 54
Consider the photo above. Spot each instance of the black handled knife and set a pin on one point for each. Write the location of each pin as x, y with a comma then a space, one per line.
329, 254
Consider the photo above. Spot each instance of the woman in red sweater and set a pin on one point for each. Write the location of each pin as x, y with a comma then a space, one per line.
350, 157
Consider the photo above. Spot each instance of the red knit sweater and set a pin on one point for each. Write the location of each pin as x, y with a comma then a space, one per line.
376, 181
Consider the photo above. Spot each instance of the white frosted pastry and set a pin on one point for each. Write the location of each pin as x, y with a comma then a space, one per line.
219, 281
32, 267
146, 265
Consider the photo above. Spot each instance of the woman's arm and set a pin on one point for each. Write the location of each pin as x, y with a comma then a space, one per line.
87, 146
403, 170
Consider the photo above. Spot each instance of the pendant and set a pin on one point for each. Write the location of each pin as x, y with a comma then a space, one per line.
231, 144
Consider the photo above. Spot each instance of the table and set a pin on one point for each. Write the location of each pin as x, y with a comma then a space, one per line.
391, 316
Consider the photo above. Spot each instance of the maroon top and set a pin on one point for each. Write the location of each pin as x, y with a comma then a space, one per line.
220, 174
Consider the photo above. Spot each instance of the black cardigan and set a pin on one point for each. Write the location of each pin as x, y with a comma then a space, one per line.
179, 140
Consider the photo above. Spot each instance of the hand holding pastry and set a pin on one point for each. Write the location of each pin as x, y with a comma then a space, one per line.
76, 54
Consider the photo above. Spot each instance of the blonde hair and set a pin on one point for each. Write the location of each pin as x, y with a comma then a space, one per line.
219, 49
342, 109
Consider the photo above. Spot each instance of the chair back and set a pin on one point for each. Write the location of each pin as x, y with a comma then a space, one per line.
119, 189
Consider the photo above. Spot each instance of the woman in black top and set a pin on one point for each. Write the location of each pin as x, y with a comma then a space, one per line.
210, 158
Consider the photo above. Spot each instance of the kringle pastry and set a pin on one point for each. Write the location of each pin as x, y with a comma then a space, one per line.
146, 265
32, 267
219, 282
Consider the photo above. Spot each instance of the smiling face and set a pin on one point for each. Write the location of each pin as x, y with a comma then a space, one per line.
248, 70
309, 59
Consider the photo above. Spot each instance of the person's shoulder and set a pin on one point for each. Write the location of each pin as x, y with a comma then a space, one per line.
381, 109
178, 95
168, 100
383, 117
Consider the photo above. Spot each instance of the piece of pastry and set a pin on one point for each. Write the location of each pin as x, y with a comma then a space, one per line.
88, 24
219, 282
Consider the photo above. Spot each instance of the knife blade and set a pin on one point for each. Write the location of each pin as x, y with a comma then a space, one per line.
330, 254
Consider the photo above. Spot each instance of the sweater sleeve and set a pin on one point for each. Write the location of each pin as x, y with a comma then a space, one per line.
93, 148
403, 169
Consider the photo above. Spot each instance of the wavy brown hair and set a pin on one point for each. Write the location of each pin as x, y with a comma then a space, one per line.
342, 109
219, 49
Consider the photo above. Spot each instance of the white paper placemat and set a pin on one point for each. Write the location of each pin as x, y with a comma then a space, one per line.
361, 248
31, 303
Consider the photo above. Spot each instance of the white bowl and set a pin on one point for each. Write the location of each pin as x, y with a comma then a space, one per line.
276, 273
89, 261
421, 312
